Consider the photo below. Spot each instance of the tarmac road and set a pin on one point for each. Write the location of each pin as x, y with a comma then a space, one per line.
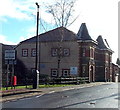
101, 96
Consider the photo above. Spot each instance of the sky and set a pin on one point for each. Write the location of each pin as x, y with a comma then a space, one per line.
18, 20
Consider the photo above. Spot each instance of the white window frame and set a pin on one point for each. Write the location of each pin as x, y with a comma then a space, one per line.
65, 74
54, 52
33, 52
54, 72
24, 52
66, 51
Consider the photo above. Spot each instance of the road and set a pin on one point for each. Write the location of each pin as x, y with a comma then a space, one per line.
102, 96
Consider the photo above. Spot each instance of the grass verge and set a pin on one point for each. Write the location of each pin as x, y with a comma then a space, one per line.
30, 87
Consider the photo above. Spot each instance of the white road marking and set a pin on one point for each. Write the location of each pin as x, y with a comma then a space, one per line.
51, 92
39, 96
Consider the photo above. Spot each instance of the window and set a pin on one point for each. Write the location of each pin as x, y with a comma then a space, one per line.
33, 52
54, 52
83, 69
66, 72
54, 72
110, 58
92, 53
60, 52
107, 57
24, 52
83, 54
66, 52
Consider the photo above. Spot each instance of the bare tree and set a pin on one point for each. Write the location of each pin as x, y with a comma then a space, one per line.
62, 12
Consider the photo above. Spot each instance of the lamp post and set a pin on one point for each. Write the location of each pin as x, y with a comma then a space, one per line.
36, 73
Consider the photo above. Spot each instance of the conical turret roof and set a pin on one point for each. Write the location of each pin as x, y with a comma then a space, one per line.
83, 33
102, 44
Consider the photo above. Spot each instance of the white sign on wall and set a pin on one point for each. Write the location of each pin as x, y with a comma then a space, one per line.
9, 54
73, 70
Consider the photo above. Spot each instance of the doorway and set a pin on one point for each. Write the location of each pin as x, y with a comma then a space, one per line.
91, 74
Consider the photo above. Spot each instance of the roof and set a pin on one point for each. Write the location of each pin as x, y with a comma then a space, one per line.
9, 47
57, 34
83, 33
103, 44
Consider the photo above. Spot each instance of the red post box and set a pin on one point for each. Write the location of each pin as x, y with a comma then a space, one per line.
14, 80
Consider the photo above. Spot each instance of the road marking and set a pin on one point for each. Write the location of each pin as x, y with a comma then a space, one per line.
39, 96
51, 92
66, 89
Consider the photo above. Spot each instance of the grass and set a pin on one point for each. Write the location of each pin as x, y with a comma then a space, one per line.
17, 87
55, 85
40, 86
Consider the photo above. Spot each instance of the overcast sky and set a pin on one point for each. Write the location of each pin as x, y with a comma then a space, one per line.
18, 20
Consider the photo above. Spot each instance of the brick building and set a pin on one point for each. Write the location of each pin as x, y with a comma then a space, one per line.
115, 73
0, 64
4, 68
63, 53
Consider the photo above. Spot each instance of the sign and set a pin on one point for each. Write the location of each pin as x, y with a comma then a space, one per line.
42, 65
73, 70
9, 54
10, 62
6, 62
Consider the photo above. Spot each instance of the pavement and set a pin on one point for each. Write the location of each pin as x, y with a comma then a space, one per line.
24, 93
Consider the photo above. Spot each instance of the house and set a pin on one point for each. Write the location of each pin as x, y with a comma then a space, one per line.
0, 64
103, 57
6, 69
115, 73
63, 53
57, 47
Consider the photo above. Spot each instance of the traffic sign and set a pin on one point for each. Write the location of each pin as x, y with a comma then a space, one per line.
9, 54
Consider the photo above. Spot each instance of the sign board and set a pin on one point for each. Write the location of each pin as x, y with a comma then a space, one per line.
73, 70
9, 54
11, 62
6, 62
42, 65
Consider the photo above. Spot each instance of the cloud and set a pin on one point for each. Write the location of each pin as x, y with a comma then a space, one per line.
100, 17
15, 9
5, 41
31, 31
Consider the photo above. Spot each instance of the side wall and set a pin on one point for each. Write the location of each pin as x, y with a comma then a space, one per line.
47, 61
0, 58
0, 64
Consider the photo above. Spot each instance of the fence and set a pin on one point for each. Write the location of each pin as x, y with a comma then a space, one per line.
61, 80
49, 80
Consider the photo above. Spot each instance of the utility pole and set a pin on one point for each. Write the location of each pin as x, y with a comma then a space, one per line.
36, 73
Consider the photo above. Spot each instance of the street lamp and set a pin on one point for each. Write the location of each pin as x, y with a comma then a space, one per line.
36, 73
